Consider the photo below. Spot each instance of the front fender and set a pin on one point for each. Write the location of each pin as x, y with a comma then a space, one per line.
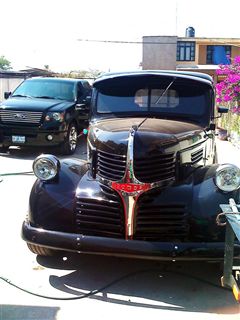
51, 202
205, 205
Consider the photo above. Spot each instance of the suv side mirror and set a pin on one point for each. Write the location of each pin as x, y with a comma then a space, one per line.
87, 100
7, 94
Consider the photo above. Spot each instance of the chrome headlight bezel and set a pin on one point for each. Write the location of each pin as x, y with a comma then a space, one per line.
227, 177
54, 116
46, 167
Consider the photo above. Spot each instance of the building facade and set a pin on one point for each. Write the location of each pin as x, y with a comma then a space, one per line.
188, 53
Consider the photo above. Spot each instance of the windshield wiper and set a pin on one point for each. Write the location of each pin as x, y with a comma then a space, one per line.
45, 97
22, 96
162, 95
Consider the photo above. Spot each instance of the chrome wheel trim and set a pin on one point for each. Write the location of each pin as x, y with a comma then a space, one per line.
72, 139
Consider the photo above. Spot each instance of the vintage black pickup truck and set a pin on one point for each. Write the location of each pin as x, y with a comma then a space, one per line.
45, 112
151, 187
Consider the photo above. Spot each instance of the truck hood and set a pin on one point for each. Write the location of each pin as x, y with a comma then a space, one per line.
35, 104
112, 135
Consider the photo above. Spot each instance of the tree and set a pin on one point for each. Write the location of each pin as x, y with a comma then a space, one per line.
83, 74
4, 63
228, 90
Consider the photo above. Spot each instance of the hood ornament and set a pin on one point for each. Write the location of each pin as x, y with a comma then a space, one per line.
129, 188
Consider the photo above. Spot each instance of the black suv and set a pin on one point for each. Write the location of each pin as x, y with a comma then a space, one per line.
45, 112
151, 186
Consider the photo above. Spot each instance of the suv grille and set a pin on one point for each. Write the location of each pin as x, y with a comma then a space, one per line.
111, 166
155, 167
101, 217
31, 117
165, 222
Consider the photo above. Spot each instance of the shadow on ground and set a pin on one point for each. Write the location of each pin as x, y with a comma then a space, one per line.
179, 286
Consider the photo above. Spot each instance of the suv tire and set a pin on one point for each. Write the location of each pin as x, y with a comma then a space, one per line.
3, 149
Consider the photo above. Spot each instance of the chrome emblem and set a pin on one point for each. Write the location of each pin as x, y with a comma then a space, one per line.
19, 116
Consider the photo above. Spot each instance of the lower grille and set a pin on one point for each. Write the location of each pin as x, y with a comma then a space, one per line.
165, 222
100, 217
15, 116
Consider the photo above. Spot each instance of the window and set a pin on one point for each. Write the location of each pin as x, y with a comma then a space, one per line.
210, 53
44, 88
158, 98
185, 51
154, 96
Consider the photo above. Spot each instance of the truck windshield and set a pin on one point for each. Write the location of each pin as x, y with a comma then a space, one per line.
173, 97
47, 89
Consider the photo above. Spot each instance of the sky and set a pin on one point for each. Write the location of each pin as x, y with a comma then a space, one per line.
35, 33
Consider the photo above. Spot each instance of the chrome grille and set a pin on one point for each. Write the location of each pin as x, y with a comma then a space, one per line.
196, 156
16, 116
111, 166
165, 222
155, 167
100, 217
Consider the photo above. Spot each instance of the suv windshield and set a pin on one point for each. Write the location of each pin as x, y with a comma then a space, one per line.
47, 89
173, 97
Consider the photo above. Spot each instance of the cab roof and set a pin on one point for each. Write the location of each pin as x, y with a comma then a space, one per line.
198, 76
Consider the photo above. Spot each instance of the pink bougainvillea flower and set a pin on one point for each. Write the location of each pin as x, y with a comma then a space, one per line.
228, 90
237, 59
227, 98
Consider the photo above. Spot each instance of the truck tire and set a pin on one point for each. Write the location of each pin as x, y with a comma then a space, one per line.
41, 251
3, 149
70, 144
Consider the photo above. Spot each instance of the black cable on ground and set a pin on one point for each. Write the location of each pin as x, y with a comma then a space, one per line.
94, 292
85, 295
27, 173
16, 173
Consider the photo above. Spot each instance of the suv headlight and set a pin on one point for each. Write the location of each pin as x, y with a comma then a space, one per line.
57, 116
46, 167
227, 177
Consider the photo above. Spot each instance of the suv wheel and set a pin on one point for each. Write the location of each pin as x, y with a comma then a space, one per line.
70, 144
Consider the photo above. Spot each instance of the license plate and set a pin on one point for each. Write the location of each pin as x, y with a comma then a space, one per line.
18, 139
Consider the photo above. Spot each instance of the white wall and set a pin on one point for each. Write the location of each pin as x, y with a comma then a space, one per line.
8, 84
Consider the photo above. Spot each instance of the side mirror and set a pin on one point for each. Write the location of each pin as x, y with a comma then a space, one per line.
222, 109
7, 94
87, 100
81, 106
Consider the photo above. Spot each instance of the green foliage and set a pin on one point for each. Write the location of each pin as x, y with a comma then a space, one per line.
4, 63
230, 122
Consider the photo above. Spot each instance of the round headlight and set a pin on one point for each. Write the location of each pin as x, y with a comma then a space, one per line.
57, 116
46, 167
228, 177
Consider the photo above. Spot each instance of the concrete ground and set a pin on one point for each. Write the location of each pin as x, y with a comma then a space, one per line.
138, 289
